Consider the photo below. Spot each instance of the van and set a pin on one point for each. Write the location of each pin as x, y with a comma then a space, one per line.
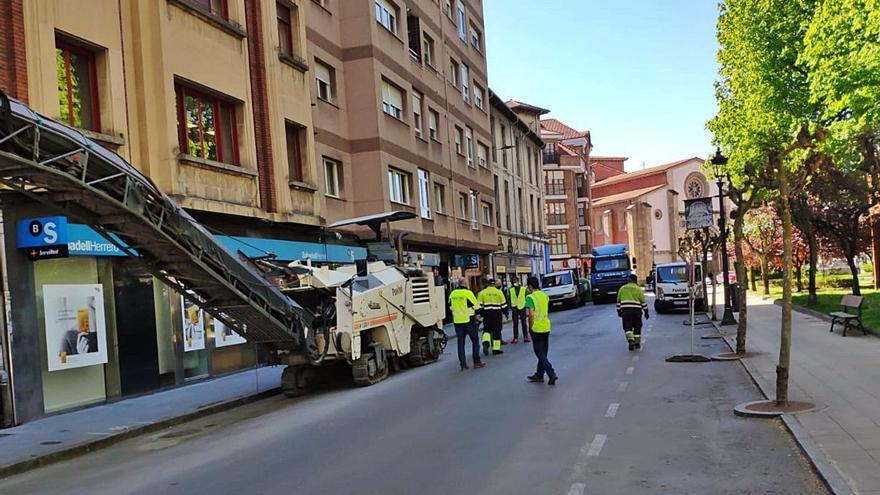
671, 281
564, 289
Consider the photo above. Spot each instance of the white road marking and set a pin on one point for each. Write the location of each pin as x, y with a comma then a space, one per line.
577, 489
635, 358
596, 445
629, 371
612, 410
622, 386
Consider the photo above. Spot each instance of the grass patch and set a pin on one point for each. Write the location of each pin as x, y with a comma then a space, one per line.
829, 300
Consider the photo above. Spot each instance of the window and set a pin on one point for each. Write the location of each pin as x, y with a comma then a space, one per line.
424, 194
507, 207
606, 225
462, 205
465, 85
517, 157
497, 202
453, 72
522, 216
295, 134
433, 122
439, 195
459, 137
414, 32
322, 3
555, 213
476, 39
285, 28
398, 186
482, 153
475, 222
487, 214
532, 212
448, 8
386, 15
462, 20
428, 49
494, 142
554, 183
621, 225
478, 96
216, 7
324, 78
392, 100
469, 145
331, 178
559, 243
582, 219
206, 126
77, 87
417, 112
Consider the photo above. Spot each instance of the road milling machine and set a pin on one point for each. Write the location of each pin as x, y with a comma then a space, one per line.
372, 316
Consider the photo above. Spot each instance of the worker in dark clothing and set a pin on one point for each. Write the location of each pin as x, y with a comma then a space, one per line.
631, 304
492, 306
517, 302
462, 303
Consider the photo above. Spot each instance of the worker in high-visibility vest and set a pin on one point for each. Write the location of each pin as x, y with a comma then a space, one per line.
538, 305
492, 306
463, 304
631, 304
517, 301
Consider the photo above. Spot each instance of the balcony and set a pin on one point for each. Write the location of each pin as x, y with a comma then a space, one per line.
551, 156
554, 188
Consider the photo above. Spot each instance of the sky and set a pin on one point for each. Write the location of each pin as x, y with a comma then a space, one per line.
638, 74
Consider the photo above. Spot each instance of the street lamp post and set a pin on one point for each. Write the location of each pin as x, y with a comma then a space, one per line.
718, 163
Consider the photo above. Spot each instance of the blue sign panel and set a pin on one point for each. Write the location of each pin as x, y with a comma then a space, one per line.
293, 250
41, 232
84, 241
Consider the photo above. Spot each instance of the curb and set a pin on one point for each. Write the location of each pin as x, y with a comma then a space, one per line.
830, 476
79, 449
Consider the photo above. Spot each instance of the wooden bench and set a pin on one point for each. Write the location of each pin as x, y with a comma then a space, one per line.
851, 316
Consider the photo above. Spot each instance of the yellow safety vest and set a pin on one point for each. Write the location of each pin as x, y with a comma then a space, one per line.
491, 298
458, 304
518, 301
542, 312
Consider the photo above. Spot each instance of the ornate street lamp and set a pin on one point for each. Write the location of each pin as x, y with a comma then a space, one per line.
719, 162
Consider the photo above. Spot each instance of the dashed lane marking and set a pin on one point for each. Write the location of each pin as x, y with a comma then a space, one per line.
635, 358
596, 445
622, 386
629, 371
577, 489
612, 410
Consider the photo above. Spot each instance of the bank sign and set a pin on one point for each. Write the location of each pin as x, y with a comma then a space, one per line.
52, 237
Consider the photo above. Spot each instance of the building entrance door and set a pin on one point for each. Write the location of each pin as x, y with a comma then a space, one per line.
136, 332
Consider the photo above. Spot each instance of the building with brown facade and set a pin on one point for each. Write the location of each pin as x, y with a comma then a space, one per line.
567, 197
209, 98
401, 114
518, 183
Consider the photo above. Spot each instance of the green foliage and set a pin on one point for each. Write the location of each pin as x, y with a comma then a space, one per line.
829, 300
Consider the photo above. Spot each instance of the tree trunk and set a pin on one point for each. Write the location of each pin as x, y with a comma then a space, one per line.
854, 271
799, 282
785, 332
812, 298
740, 267
754, 281
765, 275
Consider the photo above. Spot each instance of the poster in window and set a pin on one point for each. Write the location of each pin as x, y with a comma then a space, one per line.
193, 326
225, 336
75, 326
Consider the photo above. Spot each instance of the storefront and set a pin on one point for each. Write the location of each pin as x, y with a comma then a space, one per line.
89, 325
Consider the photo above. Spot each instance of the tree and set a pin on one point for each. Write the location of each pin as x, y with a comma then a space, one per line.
761, 232
803, 215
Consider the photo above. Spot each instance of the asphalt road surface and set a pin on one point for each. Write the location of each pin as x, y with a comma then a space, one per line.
618, 422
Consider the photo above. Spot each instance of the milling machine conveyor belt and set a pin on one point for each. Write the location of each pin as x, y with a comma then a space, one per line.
58, 166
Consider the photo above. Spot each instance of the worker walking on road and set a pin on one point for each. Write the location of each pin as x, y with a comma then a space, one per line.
462, 303
631, 304
492, 305
517, 303
538, 305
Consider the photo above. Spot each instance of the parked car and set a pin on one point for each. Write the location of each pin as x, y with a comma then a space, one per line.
564, 288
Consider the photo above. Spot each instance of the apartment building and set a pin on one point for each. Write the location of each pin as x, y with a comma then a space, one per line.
211, 100
567, 189
401, 113
516, 163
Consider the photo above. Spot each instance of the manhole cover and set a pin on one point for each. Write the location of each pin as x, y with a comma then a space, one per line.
51, 442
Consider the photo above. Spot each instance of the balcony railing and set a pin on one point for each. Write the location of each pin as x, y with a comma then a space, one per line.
554, 188
551, 156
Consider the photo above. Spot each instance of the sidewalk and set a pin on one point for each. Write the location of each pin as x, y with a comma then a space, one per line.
65, 435
841, 375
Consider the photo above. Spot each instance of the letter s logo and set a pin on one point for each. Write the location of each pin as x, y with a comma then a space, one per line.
51, 235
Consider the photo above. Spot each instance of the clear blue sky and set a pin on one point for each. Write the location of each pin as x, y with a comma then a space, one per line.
638, 74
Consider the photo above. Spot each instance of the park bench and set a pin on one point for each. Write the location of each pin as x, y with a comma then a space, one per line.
851, 316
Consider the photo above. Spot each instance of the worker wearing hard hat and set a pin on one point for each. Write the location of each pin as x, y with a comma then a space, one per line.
517, 303
538, 305
630, 306
462, 303
492, 305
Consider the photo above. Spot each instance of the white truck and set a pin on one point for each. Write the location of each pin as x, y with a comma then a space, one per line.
672, 282
564, 289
